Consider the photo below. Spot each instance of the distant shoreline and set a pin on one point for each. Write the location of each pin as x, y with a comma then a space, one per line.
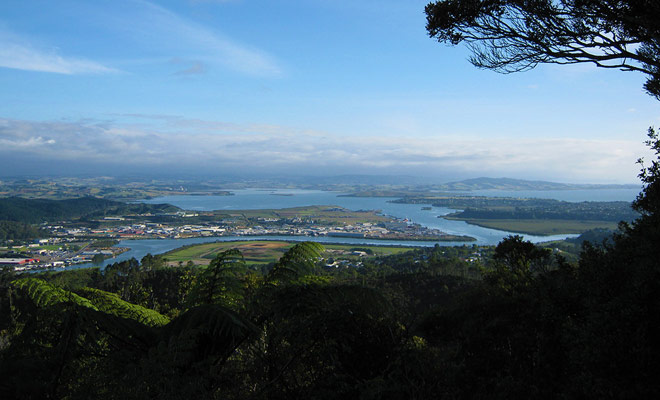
544, 227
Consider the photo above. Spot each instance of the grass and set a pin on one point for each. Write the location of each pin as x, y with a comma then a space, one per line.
542, 227
264, 251
376, 250
254, 252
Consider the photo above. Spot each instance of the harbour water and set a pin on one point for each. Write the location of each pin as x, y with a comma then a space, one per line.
285, 198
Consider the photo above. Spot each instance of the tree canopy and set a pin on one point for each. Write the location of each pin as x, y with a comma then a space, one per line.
516, 35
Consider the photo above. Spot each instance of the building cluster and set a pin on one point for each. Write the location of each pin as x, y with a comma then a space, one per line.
139, 231
19, 263
43, 253
267, 226
55, 258
53, 252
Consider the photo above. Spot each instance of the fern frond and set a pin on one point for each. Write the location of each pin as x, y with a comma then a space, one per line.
298, 260
320, 299
43, 294
219, 280
206, 331
111, 303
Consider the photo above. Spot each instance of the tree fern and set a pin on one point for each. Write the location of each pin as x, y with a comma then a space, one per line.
111, 303
320, 299
43, 294
298, 260
219, 283
208, 332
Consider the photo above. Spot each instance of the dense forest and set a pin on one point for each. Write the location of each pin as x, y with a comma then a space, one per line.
13, 230
34, 211
425, 324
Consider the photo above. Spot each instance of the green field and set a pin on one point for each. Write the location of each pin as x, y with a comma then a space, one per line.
264, 251
325, 214
542, 227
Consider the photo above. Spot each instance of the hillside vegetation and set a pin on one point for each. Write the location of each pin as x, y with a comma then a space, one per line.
34, 211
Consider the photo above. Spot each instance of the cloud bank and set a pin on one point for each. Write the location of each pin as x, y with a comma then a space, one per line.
172, 144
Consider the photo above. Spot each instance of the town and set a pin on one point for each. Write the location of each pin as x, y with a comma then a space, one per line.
394, 230
73, 242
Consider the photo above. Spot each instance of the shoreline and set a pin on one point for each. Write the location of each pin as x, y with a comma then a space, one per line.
509, 225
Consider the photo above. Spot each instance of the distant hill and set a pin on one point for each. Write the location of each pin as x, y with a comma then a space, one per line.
43, 210
520, 184
372, 180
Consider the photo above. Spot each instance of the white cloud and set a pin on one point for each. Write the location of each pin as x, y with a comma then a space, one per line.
172, 32
226, 145
147, 29
16, 53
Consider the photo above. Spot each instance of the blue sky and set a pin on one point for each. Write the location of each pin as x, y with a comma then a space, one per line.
323, 87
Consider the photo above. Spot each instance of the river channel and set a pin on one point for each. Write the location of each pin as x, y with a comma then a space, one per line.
253, 199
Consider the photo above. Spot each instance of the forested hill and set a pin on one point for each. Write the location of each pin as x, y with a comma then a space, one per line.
42, 210
520, 184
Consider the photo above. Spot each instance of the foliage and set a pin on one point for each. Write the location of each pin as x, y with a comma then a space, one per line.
12, 230
418, 325
297, 261
516, 35
206, 332
596, 236
514, 208
219, 283
437, 260
43, 294
443, 322
110, 303
41, 210
648, 202
515, 262
322, 341
98, 259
